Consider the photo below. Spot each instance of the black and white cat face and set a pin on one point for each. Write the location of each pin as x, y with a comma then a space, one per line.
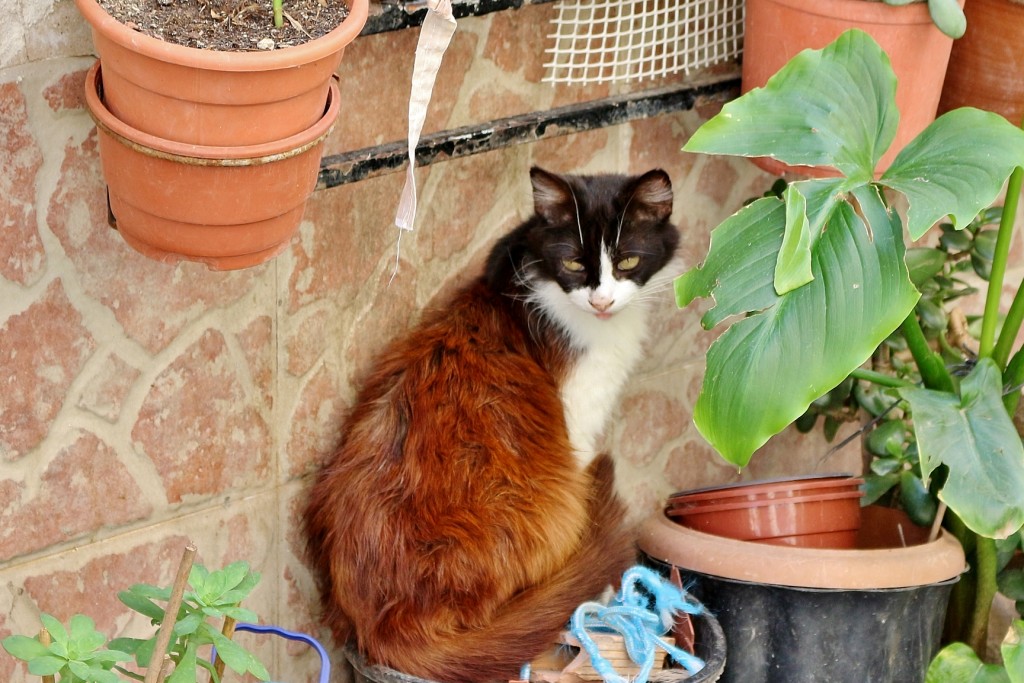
600, 238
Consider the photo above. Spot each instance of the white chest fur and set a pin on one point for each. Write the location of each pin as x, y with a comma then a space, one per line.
608, 349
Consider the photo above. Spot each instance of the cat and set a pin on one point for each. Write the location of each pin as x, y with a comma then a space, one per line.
466, 512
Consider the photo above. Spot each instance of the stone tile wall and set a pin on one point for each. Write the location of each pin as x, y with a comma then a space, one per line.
143, 405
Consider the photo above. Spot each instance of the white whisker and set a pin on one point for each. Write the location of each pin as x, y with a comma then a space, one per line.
579, 223
622, 218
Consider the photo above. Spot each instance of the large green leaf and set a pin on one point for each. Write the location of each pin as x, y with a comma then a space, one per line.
941, 175
738, 271
833, 107
973, 436
957, 663
793, 268
1013, 652
791, 340
767, 368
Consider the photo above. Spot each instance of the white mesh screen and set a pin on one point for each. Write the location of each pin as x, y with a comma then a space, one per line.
619, 40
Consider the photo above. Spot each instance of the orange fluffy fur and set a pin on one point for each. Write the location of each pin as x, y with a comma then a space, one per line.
453, 532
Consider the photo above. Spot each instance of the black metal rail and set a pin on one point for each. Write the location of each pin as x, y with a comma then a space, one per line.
398, 14
339, 169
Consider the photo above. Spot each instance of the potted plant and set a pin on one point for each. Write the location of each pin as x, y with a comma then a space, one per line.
984, 65
872, 612
916, 36
811, 284
176, 652
188, 135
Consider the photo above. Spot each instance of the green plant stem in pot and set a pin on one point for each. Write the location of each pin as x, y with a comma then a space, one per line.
810, 284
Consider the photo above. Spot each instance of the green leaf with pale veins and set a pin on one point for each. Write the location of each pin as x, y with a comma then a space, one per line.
942, 175
957, 663
768, 367
975, 438
739, 270
1013, 652
834, 107
793, 268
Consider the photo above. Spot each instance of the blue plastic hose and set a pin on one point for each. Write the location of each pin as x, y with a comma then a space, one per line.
325, 661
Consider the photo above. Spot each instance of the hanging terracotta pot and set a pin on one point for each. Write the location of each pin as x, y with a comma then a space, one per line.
985, 65
816, 511
776, 30
211, 97
173, 200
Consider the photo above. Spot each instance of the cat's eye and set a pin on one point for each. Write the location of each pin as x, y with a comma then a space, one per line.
572, 265
628, 263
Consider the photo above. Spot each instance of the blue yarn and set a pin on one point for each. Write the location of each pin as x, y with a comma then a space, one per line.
643, 610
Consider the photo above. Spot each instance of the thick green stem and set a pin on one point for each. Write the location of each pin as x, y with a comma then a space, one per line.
880, 378
986, 569
1011, 327
961, 601
278, 13
986, 345
933, 370
1013, 377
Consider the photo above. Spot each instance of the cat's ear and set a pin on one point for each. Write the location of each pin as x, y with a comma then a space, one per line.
650, 196
552, 197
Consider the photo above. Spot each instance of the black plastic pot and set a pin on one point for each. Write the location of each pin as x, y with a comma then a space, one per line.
782, 634
868, 614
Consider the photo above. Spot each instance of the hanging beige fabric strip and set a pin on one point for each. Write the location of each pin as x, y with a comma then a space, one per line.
435, 36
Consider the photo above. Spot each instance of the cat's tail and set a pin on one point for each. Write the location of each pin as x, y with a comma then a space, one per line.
530, 622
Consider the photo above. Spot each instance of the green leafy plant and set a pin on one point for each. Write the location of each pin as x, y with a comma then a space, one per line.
214, 595
958, 662
947, 15
77, 654
893, 474
811, 284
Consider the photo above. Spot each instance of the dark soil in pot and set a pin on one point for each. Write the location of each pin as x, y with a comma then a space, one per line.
229, 25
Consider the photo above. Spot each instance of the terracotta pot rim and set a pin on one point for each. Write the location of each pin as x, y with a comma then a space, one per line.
843, 538
863, 11
183, 152
699, 507
763, 487
222, 60
829, 568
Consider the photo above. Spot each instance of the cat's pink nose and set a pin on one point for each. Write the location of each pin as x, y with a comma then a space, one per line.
602, 304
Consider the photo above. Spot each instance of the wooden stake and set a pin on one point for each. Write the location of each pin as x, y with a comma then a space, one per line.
937, 524
163, 635
165, 668
228, 631
44, 638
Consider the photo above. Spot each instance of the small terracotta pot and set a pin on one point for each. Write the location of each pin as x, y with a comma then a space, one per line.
818, 512
776, 30
216, 98
229, 207
985, 65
